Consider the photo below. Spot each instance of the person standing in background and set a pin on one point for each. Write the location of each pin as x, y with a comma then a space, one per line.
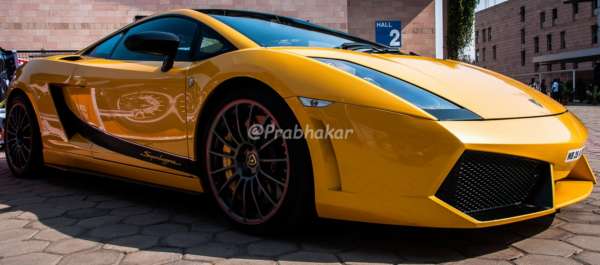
564, 92
534, 84
555, 90
543, 87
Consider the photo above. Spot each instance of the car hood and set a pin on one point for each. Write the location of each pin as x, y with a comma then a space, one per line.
484, 92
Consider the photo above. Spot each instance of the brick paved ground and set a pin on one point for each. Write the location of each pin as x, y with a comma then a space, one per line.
80, 219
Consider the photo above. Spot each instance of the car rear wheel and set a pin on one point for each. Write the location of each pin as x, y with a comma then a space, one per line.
261, 182
22, 138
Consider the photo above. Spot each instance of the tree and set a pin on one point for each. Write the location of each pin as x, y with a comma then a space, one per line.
461, 15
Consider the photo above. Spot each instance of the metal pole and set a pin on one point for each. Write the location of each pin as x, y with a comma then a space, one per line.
574, 80
439, 29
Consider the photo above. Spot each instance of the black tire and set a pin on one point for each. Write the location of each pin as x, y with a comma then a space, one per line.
22, 139
293, 204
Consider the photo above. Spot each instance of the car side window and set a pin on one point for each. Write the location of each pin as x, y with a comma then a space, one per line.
185, 29
211, 44
104, 49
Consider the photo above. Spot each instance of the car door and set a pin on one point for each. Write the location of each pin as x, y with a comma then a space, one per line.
126, 97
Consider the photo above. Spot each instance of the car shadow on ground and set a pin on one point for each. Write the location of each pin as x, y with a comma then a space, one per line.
125, 217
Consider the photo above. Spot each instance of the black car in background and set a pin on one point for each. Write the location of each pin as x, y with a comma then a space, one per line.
8, 66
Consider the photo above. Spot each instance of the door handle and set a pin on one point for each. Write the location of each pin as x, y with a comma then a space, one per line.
77, 80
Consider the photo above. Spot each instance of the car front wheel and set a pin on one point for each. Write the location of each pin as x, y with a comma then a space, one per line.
260, 180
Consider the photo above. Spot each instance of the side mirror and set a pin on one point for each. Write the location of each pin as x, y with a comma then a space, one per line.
156, 43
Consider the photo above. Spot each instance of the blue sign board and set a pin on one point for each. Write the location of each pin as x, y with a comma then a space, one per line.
389, 32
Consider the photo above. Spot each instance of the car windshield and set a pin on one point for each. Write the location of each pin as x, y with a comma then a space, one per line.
272, 33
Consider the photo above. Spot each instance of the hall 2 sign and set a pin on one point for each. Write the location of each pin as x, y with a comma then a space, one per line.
389, 32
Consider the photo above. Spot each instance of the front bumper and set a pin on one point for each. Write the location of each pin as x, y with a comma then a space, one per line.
392, 166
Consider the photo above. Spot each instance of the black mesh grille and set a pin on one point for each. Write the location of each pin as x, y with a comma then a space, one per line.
489, 186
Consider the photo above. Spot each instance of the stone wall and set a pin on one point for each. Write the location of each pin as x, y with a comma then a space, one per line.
74, 24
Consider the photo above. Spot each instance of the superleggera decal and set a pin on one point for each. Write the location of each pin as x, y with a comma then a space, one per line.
72, 125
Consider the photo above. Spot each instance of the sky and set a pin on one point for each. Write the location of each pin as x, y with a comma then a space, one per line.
486, 3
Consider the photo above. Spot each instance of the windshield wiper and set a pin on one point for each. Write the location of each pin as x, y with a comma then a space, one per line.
356, 46
361, 46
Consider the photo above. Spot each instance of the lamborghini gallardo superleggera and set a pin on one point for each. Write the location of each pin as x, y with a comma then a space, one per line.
175, 99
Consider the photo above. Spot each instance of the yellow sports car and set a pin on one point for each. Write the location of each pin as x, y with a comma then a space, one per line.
280, 120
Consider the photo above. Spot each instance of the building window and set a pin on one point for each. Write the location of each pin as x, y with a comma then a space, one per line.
542, 19
522, 13
594, 5
575, 65
477, 55
549, 67
536, 44
483, 54
477, 36
595, 34
522, 36
554, 16
536, 67
563, 66
494, 52
490, 34
563, 39
522, 58
483, 33
549, 41
575, 8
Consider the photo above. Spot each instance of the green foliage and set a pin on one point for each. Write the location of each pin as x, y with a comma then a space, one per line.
461, 15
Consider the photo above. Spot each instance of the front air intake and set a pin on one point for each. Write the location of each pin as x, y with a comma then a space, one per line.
489, 186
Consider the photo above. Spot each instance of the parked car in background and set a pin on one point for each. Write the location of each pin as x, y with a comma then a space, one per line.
2, 117
8, 66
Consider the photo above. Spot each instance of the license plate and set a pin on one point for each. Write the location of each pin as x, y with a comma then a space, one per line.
574, 155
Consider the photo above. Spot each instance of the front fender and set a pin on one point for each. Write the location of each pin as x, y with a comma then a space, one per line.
293, 75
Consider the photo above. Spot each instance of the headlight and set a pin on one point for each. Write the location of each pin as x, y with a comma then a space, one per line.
427, 101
